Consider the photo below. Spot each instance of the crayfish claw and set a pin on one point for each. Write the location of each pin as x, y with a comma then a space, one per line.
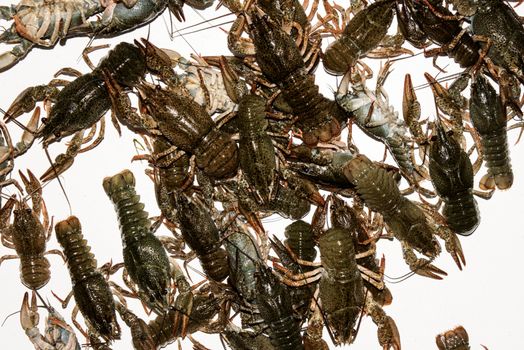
234, 87
176, 8
7, 60
388, 335
29, 314
431, 271
61, 164
410, 104
27, 99
436, 87
455, 249
183, 305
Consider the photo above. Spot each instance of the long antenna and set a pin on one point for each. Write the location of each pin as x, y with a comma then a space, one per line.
59, 181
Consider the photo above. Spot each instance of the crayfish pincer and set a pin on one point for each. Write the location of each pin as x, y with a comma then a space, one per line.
144, 256
90, 289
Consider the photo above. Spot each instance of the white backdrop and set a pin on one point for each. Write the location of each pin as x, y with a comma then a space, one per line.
485, 298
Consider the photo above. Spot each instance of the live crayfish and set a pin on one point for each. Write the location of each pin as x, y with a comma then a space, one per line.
437, 24
488, 118
85, 100
27, 235
185, 124
274, 303
373, 114
452, 175
90, 289
407, 221
361, 35
58, 334
205, 177
202, 235
319, 118
41, 23
144, 256
44, 23
342, 291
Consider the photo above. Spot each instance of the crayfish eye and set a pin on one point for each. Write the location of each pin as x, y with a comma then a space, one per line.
57, 134
28, 211
43, 120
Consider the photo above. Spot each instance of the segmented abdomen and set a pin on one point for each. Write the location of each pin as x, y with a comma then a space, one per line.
462, 213
217, 154
215, 264
465, 52
34, 271
496, 155
80, 261
299, 238
285, 334
400, 152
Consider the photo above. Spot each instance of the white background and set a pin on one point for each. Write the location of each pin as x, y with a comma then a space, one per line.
485, 298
